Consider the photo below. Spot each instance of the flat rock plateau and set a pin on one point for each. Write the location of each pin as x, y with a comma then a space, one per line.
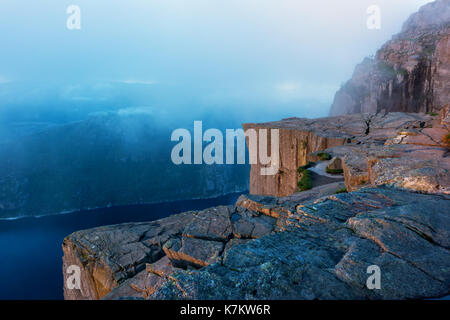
380, 195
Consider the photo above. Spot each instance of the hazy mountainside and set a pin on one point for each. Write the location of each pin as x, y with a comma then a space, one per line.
410, 73
106, 160
69, 147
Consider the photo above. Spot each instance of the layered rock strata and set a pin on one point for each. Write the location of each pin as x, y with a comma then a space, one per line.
402, 149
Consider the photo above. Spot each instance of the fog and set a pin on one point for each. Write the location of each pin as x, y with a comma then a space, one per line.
256, 60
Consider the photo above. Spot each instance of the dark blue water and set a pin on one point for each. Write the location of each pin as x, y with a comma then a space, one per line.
30, 248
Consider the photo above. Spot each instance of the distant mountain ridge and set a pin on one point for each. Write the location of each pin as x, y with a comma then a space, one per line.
410, 73
106, 160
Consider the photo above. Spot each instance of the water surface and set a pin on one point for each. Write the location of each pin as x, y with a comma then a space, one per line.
30, 248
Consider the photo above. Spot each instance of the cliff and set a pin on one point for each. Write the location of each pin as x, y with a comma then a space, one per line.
299, 139
410, 73
317, 244
401, 149
380, 197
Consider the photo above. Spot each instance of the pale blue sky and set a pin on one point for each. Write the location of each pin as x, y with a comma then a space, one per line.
280, 51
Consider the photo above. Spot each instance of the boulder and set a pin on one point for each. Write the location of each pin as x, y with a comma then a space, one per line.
335, 164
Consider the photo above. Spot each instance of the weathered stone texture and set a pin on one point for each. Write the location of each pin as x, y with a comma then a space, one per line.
410, 73
375, 149
317, 249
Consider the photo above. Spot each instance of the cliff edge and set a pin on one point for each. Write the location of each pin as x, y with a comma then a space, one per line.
274, 248
406, 150
315, 244
360, 190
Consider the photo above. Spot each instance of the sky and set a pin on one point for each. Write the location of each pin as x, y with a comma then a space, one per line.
289, 55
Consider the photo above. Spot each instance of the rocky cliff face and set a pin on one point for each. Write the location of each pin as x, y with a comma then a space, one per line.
410, 73
318, 244
299, 139
402, 149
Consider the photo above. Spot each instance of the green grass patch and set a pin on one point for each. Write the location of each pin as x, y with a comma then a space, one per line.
343, 190
306, 167
433, 114
305, 182
429, 51
446, 139
386, 69
402, 72
334, 171
324, 156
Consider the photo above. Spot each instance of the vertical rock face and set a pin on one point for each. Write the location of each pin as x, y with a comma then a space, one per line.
299, 139
402, 149
410, 73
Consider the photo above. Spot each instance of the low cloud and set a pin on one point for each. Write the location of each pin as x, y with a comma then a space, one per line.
141, 82
136, 110
290, 90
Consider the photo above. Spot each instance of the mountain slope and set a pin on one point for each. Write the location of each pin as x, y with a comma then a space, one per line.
106, 160
410, 73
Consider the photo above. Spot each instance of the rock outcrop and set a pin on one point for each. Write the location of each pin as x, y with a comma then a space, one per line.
299, 139
274, 248
410, 73
109, 256
308, 245
401, 149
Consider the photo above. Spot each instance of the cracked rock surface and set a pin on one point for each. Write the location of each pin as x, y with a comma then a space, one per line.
274, 248
405, 150
310, 245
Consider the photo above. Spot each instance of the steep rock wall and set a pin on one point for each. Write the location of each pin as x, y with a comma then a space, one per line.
299, 139
410, 73
402, 149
